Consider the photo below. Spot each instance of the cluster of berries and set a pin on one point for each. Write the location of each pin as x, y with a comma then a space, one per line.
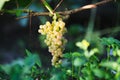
54, 38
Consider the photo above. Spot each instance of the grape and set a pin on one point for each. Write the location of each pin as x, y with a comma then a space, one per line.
54, 39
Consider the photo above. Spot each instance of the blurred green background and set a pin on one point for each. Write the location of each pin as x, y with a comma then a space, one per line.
17, 35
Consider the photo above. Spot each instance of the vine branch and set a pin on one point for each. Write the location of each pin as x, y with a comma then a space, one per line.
90, 6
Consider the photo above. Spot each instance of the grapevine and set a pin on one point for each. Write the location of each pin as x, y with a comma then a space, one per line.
55, 40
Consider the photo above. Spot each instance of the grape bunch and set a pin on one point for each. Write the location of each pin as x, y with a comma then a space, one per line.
54, 38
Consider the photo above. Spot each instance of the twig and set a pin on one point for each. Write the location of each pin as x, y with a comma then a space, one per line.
58, 5
28, 4
90, 6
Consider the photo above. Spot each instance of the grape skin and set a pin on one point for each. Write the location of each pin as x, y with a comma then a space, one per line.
54, 39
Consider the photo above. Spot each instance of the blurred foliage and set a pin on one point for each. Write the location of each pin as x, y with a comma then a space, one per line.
81, 65
82, 60
21, 69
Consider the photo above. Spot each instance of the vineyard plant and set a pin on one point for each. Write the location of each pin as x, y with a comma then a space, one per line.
70, 42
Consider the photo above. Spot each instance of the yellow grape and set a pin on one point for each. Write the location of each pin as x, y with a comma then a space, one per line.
54, 39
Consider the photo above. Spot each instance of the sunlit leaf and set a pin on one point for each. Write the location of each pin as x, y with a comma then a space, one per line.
111, 65
2, 2
69, 72
78, 62
92, 52
80, 78
98, 72
83, 44
118, 52
117, 77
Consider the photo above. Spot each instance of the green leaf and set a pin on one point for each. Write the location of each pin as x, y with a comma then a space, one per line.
92, 52
99, 73
18, 12
78, 62
76, 54
56, 76
110, 41
80, 78
47, 6
118, 60
117, 76
3, 75
32, 60
67, 55
111, 65
38, 61
28, 52
83, 44
7, 67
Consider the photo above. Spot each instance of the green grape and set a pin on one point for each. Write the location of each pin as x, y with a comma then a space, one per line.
54, 39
